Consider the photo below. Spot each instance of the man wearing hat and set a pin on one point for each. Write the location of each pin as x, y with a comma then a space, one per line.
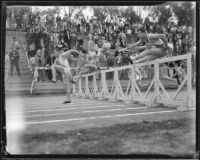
14, 60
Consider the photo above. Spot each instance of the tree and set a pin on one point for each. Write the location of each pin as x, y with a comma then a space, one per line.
185, 13
130, 15
99, 12
162, 13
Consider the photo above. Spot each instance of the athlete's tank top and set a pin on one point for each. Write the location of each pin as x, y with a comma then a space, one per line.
154, 40
64, 62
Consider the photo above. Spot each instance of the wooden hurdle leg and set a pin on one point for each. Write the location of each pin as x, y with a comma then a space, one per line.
104, 94
87, 90
117, 93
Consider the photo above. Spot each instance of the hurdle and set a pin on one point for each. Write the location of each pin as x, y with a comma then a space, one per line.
133, 93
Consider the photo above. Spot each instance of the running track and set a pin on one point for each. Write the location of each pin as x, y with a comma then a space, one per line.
48, 114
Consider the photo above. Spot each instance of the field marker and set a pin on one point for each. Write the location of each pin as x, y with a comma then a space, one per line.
53, 106
95, 111
70, 108
100, 117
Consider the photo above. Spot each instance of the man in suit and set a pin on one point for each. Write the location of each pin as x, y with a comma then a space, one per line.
14, 60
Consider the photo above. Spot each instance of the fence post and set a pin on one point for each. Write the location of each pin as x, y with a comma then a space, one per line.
80, 92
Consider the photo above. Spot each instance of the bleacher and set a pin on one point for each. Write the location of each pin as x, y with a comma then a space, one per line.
23, 84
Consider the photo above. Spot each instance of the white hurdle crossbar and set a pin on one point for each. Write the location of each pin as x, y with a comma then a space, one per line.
133, 92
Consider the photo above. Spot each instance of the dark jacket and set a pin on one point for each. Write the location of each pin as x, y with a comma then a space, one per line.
31, 53
14, 55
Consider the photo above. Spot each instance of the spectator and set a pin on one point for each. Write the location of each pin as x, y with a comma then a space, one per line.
79, 44
48, 65
31, 54
87, 25
14, 61
60, 45
171, 49
91, 46
38, 74
65, 18
67, 37
118, 59
59, 23
42, 20
176, 73
106, 47
129, 33
14, 43
122, 39
73, 41
91, 27
78, 25
44, 55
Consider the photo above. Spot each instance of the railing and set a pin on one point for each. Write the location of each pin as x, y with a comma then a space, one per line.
133, 92
35, 76
29, 64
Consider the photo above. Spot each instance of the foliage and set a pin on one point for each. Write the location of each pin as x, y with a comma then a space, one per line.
163, 13
160, 13
130, 15
185, 13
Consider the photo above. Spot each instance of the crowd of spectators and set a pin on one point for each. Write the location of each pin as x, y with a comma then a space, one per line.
49, 36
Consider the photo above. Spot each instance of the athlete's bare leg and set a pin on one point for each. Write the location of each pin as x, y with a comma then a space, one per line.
153, 51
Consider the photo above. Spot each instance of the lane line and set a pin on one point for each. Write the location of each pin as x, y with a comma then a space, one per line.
53, 106
68, 109
95, 111
100, 117
37, 104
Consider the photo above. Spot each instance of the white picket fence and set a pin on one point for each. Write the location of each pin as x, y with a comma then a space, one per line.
133, 93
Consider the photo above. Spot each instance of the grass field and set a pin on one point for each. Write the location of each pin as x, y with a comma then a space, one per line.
169, 137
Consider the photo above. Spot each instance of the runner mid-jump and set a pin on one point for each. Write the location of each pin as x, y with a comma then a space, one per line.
62, 64
156, 46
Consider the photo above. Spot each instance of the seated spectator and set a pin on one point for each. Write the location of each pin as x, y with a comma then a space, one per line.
44, 55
